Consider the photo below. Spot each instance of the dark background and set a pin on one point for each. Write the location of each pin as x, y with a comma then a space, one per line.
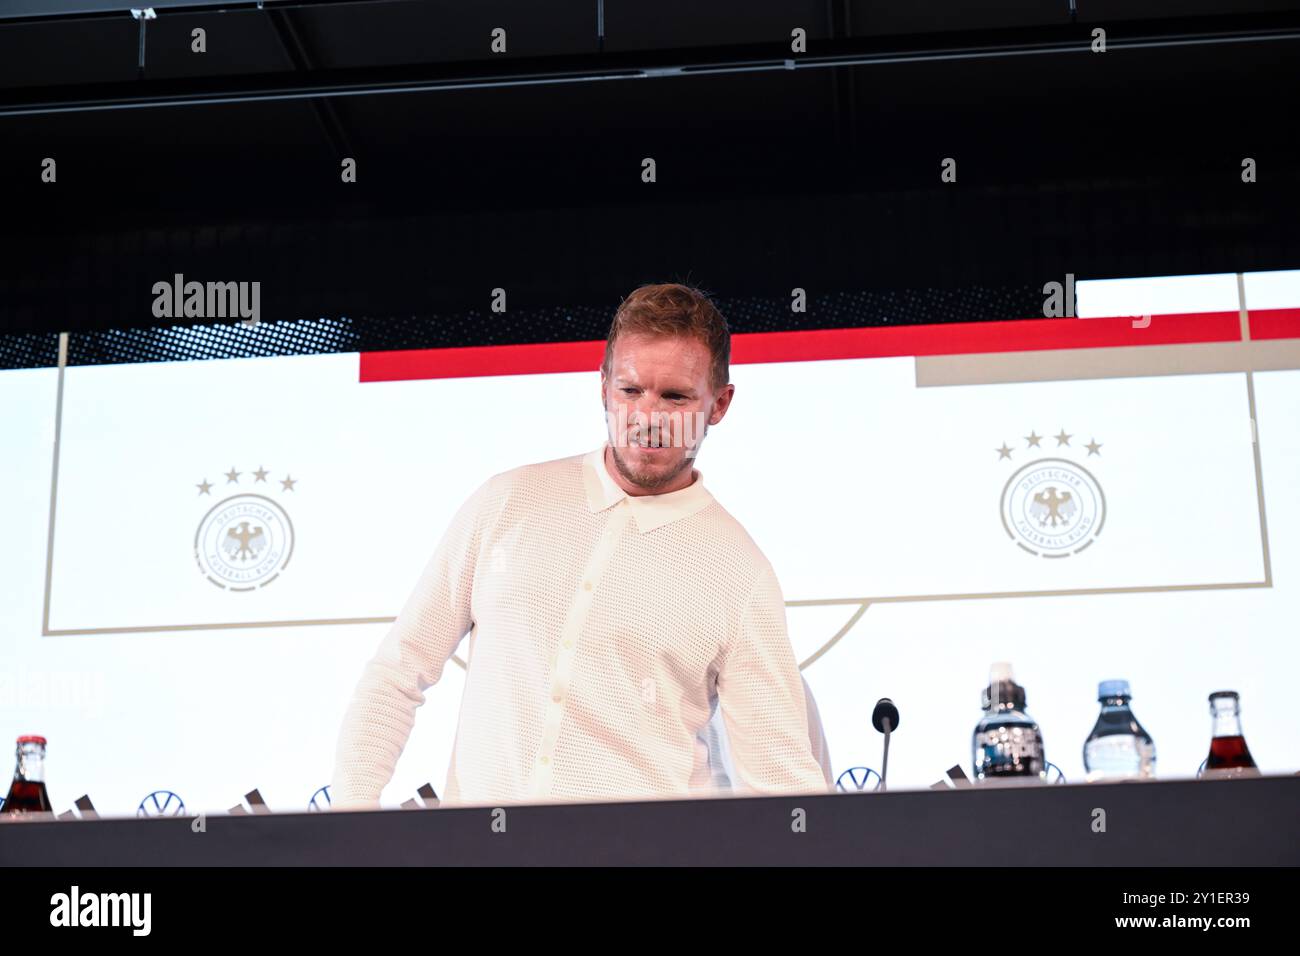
824, 177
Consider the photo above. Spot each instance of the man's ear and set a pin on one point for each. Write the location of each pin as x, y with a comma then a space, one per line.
721, 402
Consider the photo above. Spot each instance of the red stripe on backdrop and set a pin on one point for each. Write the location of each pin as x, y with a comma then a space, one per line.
481, 360
963, 338
1275, 324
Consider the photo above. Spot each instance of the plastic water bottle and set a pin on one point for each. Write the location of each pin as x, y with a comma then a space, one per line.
1118, 748
1007, 742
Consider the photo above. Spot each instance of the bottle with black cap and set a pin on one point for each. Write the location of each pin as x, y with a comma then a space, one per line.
1007, 742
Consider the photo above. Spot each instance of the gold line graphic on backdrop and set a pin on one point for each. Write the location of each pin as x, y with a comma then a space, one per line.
931, 371
54, 481
1076, 364
1243, 311
848, 626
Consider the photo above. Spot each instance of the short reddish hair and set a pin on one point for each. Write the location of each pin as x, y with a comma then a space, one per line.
673, 310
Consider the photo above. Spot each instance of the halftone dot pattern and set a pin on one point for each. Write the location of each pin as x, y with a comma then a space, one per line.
866, 309
327, 335
29, 350
598, 650
181, 343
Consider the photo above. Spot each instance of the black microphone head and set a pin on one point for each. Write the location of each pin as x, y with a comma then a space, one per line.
885, 710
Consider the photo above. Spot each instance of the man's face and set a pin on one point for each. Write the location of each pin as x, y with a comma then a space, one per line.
658, 403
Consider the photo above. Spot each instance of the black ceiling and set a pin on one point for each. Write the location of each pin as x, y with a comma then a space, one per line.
1116, 163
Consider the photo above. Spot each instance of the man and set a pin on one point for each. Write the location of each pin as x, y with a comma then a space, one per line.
611, 605
714, 736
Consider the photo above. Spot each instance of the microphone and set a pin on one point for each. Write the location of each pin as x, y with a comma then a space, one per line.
885, 719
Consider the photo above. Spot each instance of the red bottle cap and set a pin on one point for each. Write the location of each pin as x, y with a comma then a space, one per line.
32, 740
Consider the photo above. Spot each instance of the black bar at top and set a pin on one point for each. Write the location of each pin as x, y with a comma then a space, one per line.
603, 67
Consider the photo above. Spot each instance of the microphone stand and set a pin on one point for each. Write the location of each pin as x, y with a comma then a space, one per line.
884, 764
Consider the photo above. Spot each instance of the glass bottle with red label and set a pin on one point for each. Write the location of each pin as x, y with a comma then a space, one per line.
27, 793
1229, 755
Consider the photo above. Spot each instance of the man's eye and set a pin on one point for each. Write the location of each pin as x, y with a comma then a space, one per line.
628, 391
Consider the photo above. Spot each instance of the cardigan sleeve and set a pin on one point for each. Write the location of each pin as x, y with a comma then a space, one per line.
409, 660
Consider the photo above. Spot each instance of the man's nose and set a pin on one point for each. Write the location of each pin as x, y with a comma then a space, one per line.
651, 416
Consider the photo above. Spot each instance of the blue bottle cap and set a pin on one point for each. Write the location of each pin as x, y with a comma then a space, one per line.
1113, 688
